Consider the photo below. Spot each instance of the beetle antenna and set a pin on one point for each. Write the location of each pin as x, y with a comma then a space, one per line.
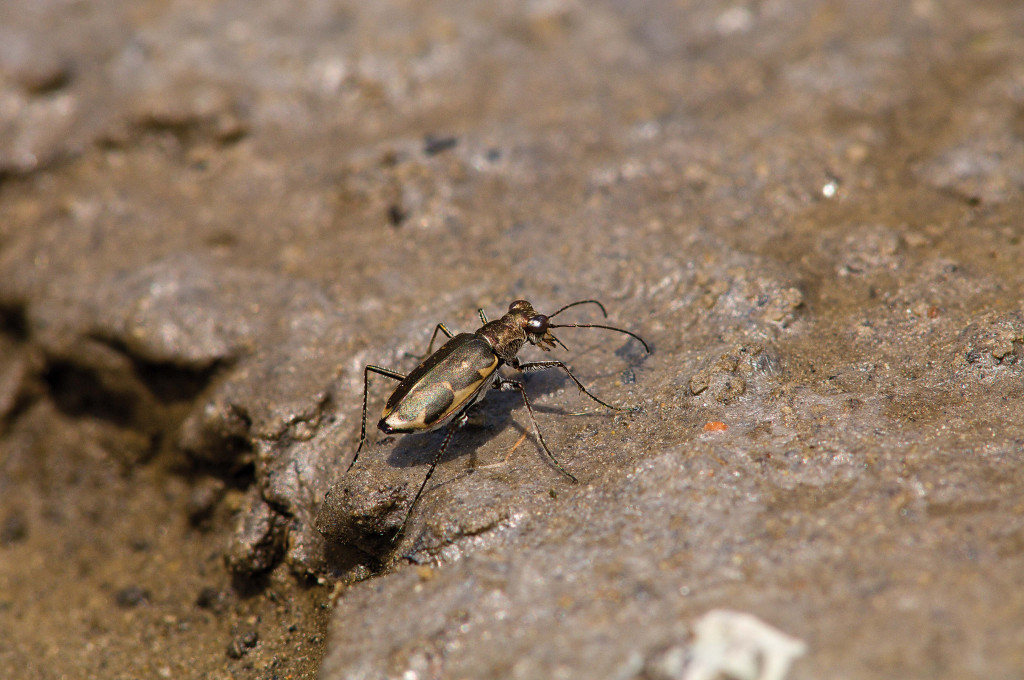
597, 325
580, 302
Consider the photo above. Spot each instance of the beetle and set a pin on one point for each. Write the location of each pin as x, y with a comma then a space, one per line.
438, 393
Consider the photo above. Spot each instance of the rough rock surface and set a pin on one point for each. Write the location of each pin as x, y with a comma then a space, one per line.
212, 216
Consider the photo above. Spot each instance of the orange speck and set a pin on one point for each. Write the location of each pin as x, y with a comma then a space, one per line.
933, 312
516, 445
715, 426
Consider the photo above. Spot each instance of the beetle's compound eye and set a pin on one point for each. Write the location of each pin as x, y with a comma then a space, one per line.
537, 325
519, 306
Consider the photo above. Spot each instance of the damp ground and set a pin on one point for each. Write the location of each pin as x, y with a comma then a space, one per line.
213, 216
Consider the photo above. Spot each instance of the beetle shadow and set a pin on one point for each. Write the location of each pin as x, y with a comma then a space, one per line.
492, 416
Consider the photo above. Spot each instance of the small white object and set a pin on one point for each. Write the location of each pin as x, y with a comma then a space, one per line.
741, 646
734, 20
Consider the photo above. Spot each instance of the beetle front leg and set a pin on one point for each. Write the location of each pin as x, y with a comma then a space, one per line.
541, 365
504, 384
380, 370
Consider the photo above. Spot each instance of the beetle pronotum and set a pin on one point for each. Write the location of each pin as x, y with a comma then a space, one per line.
449, 381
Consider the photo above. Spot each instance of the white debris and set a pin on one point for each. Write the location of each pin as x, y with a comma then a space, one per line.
740, 646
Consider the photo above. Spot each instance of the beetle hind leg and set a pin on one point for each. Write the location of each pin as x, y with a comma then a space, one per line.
380, 370
455, 425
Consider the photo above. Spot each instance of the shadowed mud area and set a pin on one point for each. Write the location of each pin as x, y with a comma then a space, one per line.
214, 215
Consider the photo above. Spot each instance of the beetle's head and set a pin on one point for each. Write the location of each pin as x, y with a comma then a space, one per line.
537, 327
533, 324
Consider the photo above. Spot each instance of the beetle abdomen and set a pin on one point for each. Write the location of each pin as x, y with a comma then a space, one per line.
443, 386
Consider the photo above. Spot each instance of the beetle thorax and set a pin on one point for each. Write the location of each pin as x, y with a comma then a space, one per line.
508, 334
505, 336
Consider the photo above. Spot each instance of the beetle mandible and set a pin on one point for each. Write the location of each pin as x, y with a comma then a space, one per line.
449, 381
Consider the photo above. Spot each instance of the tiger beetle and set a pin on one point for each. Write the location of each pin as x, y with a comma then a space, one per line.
449, 381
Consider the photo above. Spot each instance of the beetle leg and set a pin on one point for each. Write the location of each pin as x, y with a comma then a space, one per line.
387, 373
483, 315
541, 365
455, 425
430, 348
504, 384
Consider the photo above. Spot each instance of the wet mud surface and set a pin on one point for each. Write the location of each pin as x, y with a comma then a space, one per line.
213, 216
